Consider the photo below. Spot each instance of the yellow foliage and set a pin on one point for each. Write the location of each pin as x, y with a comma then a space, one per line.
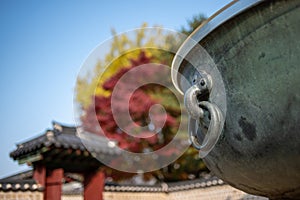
123, 48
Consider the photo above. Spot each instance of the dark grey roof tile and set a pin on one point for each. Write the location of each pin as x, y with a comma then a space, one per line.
167, 187
65, 137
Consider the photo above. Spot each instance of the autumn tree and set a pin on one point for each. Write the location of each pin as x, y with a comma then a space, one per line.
150, 41
94, 95
140, 103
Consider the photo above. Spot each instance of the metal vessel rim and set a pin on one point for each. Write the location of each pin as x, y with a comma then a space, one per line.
221, 16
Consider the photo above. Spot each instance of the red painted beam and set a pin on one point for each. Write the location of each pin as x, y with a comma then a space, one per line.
94, 185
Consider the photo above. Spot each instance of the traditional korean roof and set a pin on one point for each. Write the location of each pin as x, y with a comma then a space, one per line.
24, 182
20, 185
63, 137
20, 182
167, 187
161, 187
63, 143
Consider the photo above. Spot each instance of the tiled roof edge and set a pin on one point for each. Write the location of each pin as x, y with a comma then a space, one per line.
28, 185
167, 187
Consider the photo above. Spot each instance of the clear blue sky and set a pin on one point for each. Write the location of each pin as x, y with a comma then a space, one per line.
44, 43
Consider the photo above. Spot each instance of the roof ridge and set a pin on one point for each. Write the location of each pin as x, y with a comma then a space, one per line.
58, 125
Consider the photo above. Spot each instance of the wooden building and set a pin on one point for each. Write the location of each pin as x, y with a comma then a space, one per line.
64, 169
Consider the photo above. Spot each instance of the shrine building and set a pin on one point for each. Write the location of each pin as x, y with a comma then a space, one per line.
63, 168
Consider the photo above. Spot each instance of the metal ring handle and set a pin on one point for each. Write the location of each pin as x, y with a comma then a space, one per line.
214, 129
196, 112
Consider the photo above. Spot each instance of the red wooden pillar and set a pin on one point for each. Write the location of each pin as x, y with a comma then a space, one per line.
53, 189
39, 174
94, 185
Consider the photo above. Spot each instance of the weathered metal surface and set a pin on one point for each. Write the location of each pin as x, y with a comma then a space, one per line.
258, 54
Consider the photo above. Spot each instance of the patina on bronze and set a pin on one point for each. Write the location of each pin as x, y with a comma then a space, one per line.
255, 47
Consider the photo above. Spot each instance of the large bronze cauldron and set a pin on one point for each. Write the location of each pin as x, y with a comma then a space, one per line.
244, 102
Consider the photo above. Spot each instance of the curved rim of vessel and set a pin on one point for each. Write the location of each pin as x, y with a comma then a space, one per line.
224, 14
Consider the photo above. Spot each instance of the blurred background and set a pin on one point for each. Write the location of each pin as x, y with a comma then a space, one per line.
43, 45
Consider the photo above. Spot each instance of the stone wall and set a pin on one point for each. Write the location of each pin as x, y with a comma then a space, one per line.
21, 195
222, 192
72, 197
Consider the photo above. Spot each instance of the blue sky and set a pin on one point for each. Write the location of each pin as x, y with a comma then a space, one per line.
44, 43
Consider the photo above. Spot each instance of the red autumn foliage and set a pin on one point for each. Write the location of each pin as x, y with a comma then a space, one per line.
140, 101
100, 113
